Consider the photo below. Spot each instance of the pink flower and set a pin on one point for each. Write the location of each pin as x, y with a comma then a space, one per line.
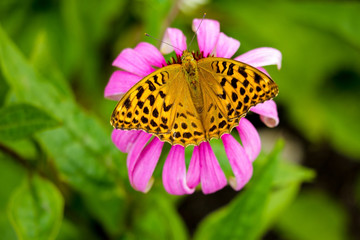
144, 151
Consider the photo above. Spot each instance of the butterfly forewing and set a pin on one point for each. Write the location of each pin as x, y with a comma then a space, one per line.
148, 105
161, 104
230, 89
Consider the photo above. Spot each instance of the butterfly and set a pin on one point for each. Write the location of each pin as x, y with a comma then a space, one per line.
193, 101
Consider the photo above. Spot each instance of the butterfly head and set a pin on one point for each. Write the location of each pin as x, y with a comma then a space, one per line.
187, 56
189, 63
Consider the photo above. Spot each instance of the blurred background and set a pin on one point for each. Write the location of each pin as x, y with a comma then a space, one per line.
62, 178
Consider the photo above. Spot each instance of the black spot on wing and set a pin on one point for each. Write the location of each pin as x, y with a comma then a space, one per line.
231, 69
156, 80
140, 104
153, 123
222, 124
162, 94
234, 96
246, 83
257, 78
167, 108
223, 81
140, 92
146, 110
187, 135
242, 72
155, 113
224, 65
151, 99
144, 119
151, 85
234, 82
127, 103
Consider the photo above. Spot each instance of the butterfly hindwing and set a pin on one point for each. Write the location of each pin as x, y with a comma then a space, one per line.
186, 124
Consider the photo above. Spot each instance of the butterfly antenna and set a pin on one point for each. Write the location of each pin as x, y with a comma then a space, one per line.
148, 35
197, 30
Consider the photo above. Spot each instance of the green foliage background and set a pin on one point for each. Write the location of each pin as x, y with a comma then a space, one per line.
62, 178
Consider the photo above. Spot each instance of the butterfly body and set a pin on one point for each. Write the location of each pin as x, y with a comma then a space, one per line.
194, 101
191, 72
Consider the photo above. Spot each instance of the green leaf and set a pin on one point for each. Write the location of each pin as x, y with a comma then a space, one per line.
81, 148
36, 210
3, 90
68, 231
240, 219
313, 216
109, 207
23, 120
286, 185
156, 218
289, 173
11, 176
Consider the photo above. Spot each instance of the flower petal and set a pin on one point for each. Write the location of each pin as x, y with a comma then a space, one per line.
176, 38
250, 138
212, 176
145, 165
207, 34
260, 57
174, 172
268, 113
135, 151
194, 171
151, 54
239, 161
120, 82
124, 139
132, 61
263, 70
226, 46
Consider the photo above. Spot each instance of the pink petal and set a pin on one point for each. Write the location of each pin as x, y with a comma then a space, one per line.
135, 150
120, 82
174, 172
260, 57
193, 174
239, 161
124, 139
132, 61
145, 165
151, 54
207, 35
212, 176
176, 38
226, 46
268, 113
263, 70
250, 138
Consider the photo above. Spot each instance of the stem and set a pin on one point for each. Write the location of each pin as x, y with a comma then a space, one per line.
13, 155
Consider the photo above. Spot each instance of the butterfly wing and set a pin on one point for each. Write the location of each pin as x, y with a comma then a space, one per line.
186, 126
230, 89
161, 104
148, 105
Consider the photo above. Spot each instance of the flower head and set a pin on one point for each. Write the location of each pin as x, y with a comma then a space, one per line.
144, 150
